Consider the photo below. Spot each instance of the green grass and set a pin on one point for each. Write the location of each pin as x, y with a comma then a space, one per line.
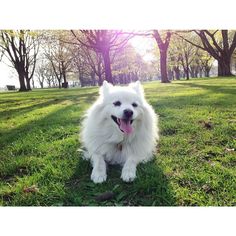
195, 163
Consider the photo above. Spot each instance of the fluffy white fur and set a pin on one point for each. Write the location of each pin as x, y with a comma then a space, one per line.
106, 143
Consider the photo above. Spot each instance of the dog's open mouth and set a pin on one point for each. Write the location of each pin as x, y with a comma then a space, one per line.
124, 125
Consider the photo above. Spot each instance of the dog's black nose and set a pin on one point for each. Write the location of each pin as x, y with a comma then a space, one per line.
128, 113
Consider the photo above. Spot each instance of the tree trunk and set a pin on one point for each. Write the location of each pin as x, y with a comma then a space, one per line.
170, 75
187, 73
99, 74
196, 71
54, 83
22, 82
63, 72
177, 73
163, 59
33, 83
28, 84
92, 75
207, 72
100, 79
107, 65
49, 83
136, 76
224, 67
200, 72
41, 84
59, 83
64, 77
81, 79
192, 72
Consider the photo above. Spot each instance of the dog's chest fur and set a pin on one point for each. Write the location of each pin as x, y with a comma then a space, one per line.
117, 152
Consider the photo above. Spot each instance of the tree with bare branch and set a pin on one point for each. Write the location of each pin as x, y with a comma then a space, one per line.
206, 62
59, 54
21, 48
220, 44
41, 71
187, 54
103, 42
88, 62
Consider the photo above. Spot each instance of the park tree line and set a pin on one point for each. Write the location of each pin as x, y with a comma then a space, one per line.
87, 57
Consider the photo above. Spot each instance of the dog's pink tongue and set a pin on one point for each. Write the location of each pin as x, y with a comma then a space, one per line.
126, 126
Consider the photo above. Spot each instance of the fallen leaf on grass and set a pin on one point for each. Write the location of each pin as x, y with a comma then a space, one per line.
206, 124
229, 149
31, 189
105, 196
207, 188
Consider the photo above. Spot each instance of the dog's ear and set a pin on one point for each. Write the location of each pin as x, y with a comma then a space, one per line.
138, 88
105, 88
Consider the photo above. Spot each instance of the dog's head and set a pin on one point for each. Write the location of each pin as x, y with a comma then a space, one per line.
123, 106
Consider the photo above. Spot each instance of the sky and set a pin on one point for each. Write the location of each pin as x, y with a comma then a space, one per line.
7, 76
140, 43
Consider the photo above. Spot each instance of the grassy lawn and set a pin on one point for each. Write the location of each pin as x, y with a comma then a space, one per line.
195, 164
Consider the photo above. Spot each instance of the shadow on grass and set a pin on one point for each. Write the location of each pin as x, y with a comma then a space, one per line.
57, 117
212, 88
150, 188
21, 150
9, 113
203, 99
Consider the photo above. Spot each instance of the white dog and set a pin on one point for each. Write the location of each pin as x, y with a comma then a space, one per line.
119, 128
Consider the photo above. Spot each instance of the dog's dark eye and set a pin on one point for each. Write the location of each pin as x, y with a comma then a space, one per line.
117, 103
134, 104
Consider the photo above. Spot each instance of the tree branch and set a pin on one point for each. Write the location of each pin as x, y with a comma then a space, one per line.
233, 45
213, 40
194, 44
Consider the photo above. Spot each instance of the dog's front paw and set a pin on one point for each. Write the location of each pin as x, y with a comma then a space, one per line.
98, 177
128, 175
